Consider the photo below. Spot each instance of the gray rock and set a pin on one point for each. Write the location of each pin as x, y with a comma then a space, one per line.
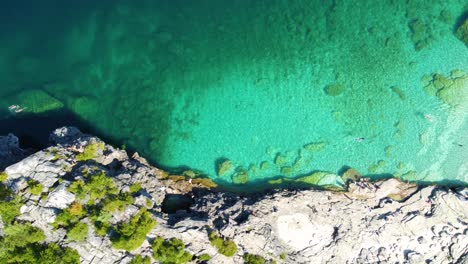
65, 135
60, 198
10, 151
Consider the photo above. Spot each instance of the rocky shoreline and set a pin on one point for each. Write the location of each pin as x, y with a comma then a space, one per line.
381, 222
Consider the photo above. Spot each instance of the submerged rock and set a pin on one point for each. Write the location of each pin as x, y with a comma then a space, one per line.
334, 89
223, 167
241, 176
462, 31
33, 101
452, 89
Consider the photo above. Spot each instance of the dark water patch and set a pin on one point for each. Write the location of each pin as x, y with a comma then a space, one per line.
33, 130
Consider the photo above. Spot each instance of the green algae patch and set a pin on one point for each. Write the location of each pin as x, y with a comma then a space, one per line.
34, 101
462, 31
223, 167
334, 89
315, 146
205, 182
351, 175
280, 160
90, 151
264, 165
275, 182
287, 170
241, 176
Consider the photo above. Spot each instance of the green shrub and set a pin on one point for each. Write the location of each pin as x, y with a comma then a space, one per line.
170, 251
19, 235
204, 257
3, 176
282, 256
65, 219
225, 247
140, 260
116, 202
78, 188
131, 235
253, 259
10, 209
97, 187
35, 188
136, 187
78, 232
54, 254
76, 209
100, 185
5, 192
90, 151
21, 243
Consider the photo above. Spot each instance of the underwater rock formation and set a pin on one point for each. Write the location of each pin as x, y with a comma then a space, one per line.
32, 101
462, 31
152, 214
452, 89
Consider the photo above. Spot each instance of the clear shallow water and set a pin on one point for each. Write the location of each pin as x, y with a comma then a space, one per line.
279, 88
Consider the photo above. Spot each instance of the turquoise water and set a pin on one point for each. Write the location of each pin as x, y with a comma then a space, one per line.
277, 87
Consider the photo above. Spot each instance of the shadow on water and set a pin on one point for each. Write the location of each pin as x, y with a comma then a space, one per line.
281, 182
460, 21
33, 130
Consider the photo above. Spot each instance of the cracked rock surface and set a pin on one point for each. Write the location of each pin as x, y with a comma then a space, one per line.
381, 222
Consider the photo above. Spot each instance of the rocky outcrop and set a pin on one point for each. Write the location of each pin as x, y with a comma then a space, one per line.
373, 222
10, 151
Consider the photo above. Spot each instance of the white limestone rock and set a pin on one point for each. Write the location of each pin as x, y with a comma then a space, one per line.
60, 198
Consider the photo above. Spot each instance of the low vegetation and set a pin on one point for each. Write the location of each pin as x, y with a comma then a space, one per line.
78, 232
204, 257
90, 151
170, 251
253, 259
103, 199
140, 260
21, 243
226, 247
3, 176
131, 235
10, 208
34, 187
